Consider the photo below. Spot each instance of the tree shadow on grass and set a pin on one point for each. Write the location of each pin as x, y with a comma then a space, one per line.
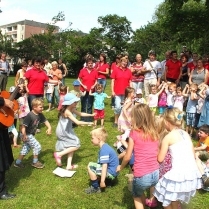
15, 175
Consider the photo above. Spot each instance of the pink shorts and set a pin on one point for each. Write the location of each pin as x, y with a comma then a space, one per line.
99, 114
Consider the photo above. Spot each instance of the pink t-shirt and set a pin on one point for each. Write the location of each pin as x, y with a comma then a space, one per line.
145, 154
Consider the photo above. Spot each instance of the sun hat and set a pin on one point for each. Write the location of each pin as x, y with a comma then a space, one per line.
70, 99
76, 83
11, 89
138, 91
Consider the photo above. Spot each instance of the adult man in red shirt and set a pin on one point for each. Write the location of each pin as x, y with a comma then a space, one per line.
173, 69
88, 79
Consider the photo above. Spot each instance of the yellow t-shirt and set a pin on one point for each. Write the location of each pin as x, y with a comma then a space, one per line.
204, 142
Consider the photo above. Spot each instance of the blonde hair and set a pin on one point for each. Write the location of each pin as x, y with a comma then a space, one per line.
174, 116
194, 85
100, 133
36, 102
170, 85
143, 119
160, 127
54, 63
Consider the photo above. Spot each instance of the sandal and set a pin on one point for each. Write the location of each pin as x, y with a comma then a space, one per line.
57, 159
72, 167
151, 203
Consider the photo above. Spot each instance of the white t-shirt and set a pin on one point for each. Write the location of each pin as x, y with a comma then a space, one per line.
47, 67
153, 100
50, 88
170, 98
156, 65
179, 101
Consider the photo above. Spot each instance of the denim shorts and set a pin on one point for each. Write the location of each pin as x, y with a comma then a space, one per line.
140, 184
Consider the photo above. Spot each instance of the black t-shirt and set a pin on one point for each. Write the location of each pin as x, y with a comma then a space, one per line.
31, 122
62, 69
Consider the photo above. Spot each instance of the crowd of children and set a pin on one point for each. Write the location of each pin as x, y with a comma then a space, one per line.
152, 132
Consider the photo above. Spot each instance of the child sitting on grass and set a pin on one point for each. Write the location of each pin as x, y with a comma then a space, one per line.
202, 148
29, 127
107, 162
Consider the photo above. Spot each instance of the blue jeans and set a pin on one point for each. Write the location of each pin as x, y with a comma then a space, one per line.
140, 184
86, 106
33, 96
137, 85
56, 95
118, 100
49, 97
103, 82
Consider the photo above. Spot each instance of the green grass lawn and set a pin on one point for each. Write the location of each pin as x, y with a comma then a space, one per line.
40, 188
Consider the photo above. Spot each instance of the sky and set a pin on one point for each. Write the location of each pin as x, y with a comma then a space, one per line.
83, 14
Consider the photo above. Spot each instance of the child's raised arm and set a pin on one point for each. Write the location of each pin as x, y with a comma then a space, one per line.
161, 89
185, 91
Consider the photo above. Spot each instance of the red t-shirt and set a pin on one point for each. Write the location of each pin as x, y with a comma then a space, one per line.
36, 79
101, 67
191, 66
122, 80
88, 78
173, 69
136, 77
206, 66
145, 154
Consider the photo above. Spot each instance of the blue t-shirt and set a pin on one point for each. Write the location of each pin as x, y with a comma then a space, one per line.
191, 105
108, 155
99, 100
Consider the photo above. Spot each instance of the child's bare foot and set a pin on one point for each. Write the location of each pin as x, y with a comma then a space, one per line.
71, 167
57, 159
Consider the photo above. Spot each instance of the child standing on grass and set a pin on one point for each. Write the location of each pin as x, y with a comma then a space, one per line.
124, 120
153, 97
143, 143
181, 182
30, 124
162, 100
105, 168
191, 93
99, 105
13, 130
49, 93
67, 141
171, 92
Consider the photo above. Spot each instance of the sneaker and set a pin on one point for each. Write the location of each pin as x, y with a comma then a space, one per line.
205, 180
48, 110
38, 130
19, 165
92, 190
38, 165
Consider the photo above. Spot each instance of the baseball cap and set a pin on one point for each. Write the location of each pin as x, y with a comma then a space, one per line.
11, 89
138, 91
70, 99
76, 83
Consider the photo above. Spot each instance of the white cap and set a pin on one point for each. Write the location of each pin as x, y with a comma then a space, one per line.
138, 91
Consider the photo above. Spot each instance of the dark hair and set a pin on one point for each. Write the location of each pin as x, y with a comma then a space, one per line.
104, 56
24, 64
204, 128
63, 89
184, 55
99, 86
36, 59
62, 111
173, 52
